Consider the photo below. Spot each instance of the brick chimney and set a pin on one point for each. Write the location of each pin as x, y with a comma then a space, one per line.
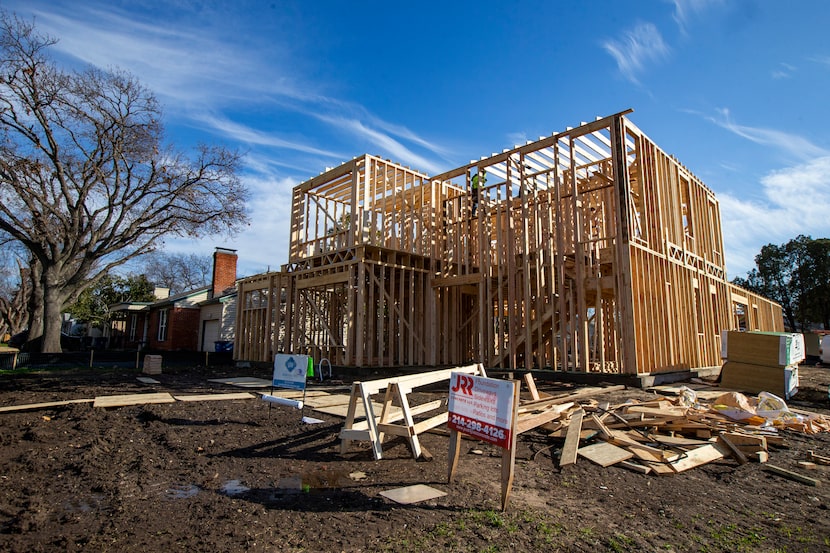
224, 270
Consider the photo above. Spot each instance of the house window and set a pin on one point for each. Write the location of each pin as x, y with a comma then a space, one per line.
133, 326
162, 325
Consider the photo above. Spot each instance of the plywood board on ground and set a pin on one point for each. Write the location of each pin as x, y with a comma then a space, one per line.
569, 450
147, 380
696, 457
215, 397
132, 399
412, 494
327, 401
604, 454
32, 406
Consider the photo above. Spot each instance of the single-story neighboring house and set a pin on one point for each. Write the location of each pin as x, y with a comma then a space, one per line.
194, 320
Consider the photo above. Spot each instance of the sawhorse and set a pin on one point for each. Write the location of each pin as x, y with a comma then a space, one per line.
396, 420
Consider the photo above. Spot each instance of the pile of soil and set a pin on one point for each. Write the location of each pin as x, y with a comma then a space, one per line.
246, 475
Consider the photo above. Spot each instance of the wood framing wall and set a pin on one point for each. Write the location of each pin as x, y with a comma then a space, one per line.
591, 250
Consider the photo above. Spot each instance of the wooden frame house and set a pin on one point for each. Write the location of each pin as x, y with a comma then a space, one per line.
590, 250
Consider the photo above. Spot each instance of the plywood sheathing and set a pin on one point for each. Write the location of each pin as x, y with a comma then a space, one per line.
591, 251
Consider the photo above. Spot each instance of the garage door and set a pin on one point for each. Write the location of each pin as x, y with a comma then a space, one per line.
210, 334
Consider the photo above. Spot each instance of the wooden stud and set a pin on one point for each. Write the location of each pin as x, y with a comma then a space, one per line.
790, 475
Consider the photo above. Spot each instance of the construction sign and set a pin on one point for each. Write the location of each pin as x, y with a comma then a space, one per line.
482, 407
290, 371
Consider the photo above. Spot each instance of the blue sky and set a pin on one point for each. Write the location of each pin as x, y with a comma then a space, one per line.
737, 90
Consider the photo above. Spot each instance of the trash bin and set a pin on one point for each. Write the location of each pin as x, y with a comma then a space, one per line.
223, 346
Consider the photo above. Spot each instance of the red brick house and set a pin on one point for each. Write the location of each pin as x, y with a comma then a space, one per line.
176, 323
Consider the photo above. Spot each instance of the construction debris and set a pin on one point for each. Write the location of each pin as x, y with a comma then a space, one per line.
668, 435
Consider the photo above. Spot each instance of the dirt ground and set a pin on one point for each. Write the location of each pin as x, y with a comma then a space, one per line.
244, 475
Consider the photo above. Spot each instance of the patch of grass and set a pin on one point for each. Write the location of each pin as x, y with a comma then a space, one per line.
729, 537
443, 530
620, 542
493, 518
722, 534
750, 541
529, 517
549, 530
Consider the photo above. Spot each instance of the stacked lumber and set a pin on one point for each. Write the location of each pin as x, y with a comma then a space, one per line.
669, 435
152, 364
761, 361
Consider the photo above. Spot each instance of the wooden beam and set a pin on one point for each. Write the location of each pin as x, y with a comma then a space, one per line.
45, 405
322, 280
790, 475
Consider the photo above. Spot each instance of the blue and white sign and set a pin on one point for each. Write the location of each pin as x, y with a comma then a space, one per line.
290, 371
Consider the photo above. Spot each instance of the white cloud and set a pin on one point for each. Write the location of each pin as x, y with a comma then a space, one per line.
183, 66
386, 142
640, 46
687, 10
247, 135
794, 200
406, 134
790, 201
783, 71
264, 244
794, 145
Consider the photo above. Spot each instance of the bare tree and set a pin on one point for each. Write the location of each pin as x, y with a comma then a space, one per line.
178, 272
86, 181
17, 305
15, 297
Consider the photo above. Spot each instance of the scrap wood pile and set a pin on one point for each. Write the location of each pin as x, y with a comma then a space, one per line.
668, 435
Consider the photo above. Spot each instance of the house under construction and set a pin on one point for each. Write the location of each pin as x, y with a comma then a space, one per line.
590, 250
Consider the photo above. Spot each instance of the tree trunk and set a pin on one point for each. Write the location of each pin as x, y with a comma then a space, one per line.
52, 310
35, 304
52, 319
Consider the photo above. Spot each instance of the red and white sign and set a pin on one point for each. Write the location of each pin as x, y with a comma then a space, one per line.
481, 407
